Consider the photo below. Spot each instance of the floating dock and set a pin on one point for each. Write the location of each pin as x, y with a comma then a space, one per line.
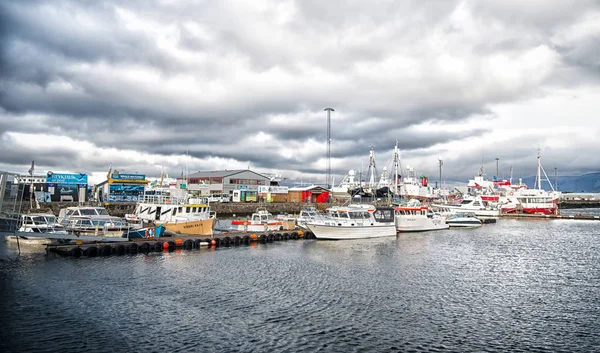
551, 216
186, 242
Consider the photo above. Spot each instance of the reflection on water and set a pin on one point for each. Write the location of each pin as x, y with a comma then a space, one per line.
517, 285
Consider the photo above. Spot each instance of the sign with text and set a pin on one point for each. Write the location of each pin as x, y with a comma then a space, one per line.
124, 177
63, 178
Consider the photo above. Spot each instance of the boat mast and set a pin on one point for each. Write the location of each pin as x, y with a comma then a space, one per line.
371, 171
539, 170
396, 168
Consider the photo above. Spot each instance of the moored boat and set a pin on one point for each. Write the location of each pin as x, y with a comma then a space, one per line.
37, 224
261, 220
464, 220
354, 222
178, 214
415, 217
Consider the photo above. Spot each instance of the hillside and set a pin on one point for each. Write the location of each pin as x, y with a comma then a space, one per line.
583, 183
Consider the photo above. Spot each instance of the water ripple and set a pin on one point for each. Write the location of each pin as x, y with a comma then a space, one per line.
518, 286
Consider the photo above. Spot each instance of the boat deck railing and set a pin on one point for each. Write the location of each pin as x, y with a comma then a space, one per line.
165, 199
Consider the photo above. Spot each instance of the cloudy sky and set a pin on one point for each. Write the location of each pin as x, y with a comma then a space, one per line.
212, 85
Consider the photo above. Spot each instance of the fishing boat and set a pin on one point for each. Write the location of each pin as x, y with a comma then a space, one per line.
354, 221
464, 220
261, 220
178, 212
37, 224
146, 232
417, 217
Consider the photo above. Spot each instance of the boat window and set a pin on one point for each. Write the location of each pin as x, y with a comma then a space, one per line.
28, 220
194, 209
174, 211
187, 210
39, 220
179, 209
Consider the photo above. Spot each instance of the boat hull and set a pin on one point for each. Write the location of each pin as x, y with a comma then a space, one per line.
12, 239
335, 232
464, 223
198, 227
418, 224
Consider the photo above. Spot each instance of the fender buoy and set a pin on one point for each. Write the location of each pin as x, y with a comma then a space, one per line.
133, 248
92, 251
145, 248
150, 232
76, 252
105, 250
120, 250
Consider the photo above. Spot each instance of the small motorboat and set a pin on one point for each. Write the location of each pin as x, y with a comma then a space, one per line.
464, 220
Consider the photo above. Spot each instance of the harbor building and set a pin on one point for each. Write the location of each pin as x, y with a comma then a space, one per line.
121, 187
240, 185
309, 194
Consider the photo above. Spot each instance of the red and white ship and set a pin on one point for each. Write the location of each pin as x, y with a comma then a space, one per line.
518, 198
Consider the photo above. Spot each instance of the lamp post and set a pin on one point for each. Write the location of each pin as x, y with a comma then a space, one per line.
497, 176
328, 110
441, 163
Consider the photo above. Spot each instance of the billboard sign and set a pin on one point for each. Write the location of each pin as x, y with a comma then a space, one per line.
63, 178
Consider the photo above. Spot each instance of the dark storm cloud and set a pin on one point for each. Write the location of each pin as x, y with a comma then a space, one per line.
230, 81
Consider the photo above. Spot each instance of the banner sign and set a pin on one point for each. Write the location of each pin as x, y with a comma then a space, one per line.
116, 176
79, 178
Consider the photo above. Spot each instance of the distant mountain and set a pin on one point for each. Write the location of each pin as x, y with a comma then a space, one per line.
583, 183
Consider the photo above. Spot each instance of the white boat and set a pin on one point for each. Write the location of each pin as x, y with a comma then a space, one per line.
37, 224
415, 217
177, 212
92, 221
464, 220
307, 214
348, 183
260, 221
354, 221
473, 204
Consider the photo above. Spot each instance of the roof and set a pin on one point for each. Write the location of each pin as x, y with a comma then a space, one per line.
222, 173
306, 188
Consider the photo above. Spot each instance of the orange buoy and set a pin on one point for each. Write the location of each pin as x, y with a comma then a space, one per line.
178, 241
165, 245
213, 243
253, 236
300, 233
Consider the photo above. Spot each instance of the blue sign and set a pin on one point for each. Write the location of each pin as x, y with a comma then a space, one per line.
116, 176
79, 178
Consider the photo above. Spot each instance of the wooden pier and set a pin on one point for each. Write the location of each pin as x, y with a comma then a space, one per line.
186, 242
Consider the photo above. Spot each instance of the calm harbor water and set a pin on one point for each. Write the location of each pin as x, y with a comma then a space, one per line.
513, 286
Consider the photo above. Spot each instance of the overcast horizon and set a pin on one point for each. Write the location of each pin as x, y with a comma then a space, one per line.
147, 86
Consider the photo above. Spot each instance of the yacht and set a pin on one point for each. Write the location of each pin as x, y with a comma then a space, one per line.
416, 217
354, 221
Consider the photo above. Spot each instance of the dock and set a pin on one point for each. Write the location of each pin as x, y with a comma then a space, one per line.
172, 243
539, 216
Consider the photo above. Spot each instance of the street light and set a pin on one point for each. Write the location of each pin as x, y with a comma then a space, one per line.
497, 176
441, 163
328, 110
